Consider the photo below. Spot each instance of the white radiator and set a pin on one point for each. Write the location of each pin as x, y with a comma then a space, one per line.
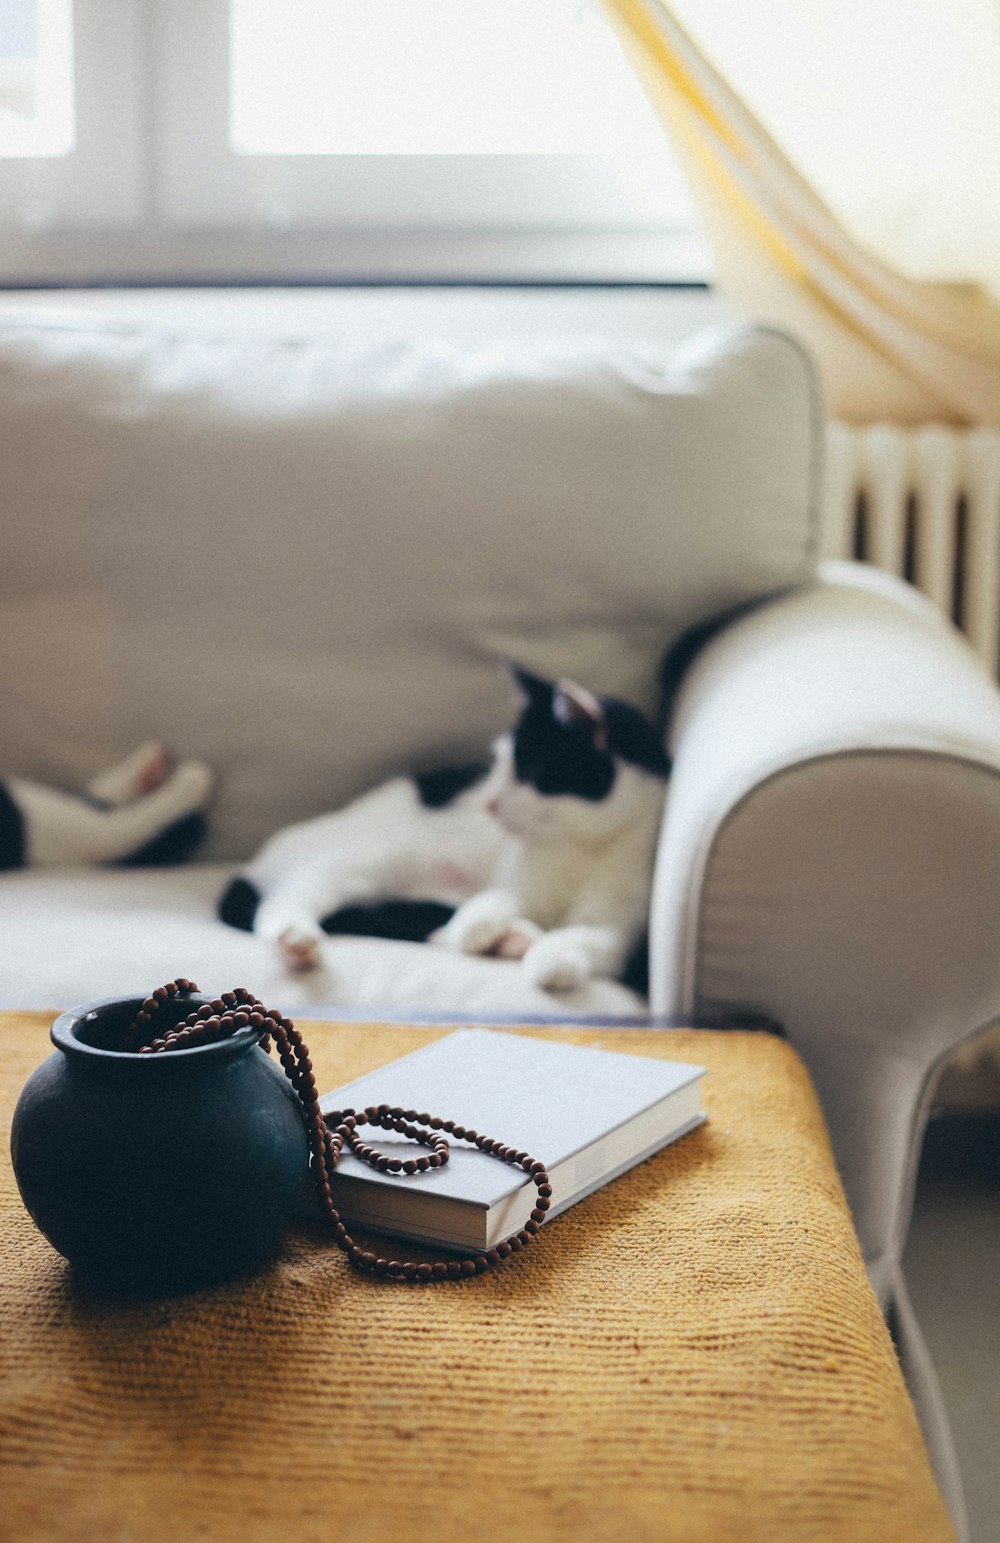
923, 503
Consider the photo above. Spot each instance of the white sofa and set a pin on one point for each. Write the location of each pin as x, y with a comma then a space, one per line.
302, 556
303, 559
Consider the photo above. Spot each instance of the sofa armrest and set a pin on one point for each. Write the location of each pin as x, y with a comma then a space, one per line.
830, 860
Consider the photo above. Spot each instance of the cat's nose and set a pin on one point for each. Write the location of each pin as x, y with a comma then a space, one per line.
492, 806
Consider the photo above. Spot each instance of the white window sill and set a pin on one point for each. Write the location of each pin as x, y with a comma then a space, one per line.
268, 255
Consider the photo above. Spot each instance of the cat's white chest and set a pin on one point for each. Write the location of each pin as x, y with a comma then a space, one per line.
548, 878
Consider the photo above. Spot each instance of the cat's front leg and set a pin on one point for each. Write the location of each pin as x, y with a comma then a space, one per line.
286, 922
490, 923
289, 917
299, 944
567, 957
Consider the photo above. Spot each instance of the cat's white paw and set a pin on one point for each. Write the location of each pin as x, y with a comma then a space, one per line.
557, 963
300, 947
153, 765
479, 925
145, 770
189, 785
518, 938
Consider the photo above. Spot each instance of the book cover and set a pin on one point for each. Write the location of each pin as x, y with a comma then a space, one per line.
588, 1114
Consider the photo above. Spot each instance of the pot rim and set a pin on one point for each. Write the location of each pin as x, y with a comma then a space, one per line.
64, 1036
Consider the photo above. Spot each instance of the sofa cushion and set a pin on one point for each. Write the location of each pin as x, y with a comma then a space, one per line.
72, 937
303, 558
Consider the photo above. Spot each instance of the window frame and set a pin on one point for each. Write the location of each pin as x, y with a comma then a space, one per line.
154, 194
102, 183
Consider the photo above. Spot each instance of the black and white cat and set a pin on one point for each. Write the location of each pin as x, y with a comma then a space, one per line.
543, 855
144, 809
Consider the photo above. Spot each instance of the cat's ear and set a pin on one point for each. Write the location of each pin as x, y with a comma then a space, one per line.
531, 687
575, 705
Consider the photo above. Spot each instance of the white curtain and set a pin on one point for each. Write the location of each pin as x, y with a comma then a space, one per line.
845, 156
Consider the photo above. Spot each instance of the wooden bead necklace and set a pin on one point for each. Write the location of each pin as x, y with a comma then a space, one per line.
329, 1134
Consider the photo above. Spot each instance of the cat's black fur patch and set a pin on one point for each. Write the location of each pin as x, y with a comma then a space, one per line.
437, 789
559, 758
12, 844
175, 844
405, 921
238, 906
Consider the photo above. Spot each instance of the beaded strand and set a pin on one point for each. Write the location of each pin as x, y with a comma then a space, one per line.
329, 1134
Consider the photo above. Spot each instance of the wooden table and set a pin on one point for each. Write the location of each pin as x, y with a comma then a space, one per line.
693, 1353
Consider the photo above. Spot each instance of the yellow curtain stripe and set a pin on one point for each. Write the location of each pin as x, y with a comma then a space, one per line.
945, 343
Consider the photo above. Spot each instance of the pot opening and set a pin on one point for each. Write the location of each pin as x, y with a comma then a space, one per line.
96, 1032
103, 1026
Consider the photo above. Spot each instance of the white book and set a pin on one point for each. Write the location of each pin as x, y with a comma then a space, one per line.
587, 1114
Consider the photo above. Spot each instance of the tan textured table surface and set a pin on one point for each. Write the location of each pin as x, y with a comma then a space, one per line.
693, 1353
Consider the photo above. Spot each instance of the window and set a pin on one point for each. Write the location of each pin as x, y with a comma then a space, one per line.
36, 78
331, 138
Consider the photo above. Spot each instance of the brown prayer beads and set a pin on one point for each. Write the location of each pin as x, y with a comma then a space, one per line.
328, 1134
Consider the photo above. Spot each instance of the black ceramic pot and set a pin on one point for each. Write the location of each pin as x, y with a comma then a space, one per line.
158, 1172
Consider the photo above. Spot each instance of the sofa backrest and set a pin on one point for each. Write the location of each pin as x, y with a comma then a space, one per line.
305, 560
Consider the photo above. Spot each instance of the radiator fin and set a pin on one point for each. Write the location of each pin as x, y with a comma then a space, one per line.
922, 503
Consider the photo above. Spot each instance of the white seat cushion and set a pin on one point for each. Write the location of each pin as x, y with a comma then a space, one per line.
75, 936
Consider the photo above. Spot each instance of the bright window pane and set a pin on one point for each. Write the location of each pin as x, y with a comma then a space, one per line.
36, 77
433, 77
